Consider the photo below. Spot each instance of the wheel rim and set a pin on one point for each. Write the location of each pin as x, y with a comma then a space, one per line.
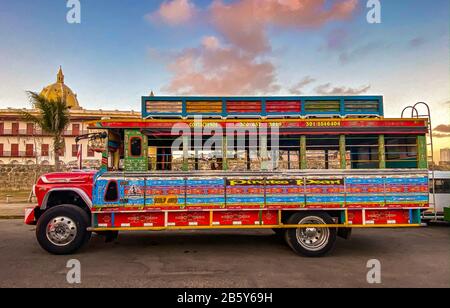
61, 231
313, 239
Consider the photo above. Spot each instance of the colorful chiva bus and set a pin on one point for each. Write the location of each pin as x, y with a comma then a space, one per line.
310, 168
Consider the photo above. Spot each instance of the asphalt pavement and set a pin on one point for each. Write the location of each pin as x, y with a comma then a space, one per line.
418, 257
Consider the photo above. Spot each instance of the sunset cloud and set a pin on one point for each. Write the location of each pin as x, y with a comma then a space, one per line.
174, 12
440, 135
240, 65
244, 22
328, 89
442, 128
213, 69
297, 89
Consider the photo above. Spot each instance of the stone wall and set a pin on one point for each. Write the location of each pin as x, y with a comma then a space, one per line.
22, 177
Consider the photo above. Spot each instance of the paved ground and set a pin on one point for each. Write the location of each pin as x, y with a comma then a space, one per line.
409, 258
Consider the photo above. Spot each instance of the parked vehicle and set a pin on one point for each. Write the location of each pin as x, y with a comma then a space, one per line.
320, 167
441, 196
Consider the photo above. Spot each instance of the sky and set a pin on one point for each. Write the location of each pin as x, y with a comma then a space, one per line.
122, 50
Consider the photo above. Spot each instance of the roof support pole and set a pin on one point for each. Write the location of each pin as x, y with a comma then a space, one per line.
381, 152
422, 152
185, 166
224, 152
303, 161
342, 152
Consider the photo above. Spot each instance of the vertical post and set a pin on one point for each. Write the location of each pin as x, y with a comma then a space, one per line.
342, 152
289, 159
104, 162
224, 152
422, 162
196, 165
263, 152
80, 155
247, 159
185, 166
381, 152
303, 161
163, 159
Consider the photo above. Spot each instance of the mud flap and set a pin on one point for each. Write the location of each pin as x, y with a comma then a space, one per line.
345, 233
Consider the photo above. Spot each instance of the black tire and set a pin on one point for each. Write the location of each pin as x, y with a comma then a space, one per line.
69, 215
324, 238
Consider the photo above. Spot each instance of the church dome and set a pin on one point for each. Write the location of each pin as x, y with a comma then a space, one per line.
59, 91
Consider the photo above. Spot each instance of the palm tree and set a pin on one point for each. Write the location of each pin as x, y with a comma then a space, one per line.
52, 117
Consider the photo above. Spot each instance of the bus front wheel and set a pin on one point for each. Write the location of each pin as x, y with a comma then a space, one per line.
63, 229
314, 241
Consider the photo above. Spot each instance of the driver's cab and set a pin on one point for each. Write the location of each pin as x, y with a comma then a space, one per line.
132, 150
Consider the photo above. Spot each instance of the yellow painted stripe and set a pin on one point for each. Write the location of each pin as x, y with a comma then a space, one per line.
252, 227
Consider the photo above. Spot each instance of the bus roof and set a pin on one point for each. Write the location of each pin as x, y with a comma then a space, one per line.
261, 106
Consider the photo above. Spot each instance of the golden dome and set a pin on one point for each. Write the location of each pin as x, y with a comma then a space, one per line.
59, 90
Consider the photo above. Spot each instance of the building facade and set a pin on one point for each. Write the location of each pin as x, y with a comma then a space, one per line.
445, 156
22, 142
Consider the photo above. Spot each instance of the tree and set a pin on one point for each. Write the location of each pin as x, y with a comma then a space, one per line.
52, 117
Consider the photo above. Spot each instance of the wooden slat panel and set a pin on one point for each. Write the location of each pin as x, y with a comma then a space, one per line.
244, 107
362, 106
164, 107
204, 107
322, 106
283, 106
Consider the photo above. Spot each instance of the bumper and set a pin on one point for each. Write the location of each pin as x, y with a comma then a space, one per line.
30, 218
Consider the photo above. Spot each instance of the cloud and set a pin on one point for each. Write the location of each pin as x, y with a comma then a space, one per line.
328, 89
174, 12
239, 66
337, 39
213, 69
296, 89
416, 42
361, 51
442, 128
439, 135
211, 42
244, 23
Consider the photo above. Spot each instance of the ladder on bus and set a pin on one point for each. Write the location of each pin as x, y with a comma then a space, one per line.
430, 154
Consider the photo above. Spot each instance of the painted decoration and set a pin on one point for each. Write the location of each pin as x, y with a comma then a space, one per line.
136, 148
259, 192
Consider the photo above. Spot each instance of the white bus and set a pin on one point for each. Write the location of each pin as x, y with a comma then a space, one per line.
442, 194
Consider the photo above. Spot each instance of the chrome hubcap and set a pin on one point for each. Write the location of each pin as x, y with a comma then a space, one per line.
61, 231
312, 238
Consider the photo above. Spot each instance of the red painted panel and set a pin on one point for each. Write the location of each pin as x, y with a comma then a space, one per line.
235, 218
244, 107
269, 217
283, 106
381, 217
104, 220
355, 217
334, 123
139, 219
188, 219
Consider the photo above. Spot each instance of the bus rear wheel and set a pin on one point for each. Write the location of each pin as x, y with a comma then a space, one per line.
63, 229
314, 241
